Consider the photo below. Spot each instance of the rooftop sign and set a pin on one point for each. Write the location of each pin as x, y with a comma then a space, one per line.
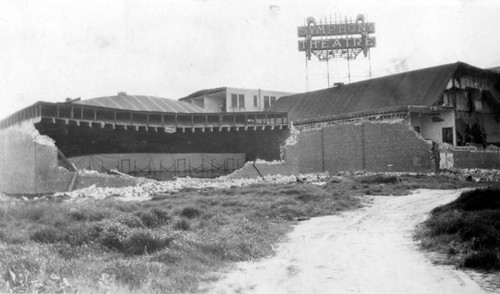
332, 38
336, 29
327, 44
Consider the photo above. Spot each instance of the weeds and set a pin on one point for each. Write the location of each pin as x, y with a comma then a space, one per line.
467, 228
166, 245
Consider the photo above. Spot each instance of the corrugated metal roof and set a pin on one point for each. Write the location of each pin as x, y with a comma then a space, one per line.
142, 103
420, 87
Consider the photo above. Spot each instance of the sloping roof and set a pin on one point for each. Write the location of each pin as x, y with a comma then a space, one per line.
419, 87
497, 69
203, 92
142, 103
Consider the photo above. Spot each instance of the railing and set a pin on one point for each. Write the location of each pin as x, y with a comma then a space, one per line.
91, 116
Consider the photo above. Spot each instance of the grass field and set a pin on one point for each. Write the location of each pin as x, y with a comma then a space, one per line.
467, 230
171, 243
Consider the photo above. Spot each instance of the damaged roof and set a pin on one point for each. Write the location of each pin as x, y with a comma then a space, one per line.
419, 87
142, 103
203, 93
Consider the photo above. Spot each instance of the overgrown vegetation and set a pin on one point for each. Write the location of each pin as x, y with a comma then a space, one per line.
467, 230
171, 243
165, 245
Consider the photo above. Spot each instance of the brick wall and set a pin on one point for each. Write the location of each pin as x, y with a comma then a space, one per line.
17, 159
374, 146
29, 165
476, 159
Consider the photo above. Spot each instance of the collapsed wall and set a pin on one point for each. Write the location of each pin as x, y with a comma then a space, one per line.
29, 161
387, 146
469, 157
29, 164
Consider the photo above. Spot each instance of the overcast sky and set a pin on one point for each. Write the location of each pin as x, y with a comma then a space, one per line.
50, 50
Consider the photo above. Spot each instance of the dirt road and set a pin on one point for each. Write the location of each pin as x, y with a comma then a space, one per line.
365, 251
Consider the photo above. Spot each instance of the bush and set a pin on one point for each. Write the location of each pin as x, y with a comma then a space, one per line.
110, 234
87, 213
153, 218
471, 222
478, 199
487, 260
449, 222
378, 179
46, 235
182, 225
145, 242
190, 212
483, 236
131, 221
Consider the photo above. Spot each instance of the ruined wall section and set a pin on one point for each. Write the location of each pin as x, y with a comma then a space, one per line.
17, 159
476, 159
390, 146
469, 157
29, 162
375, 146
396, 147
29, 165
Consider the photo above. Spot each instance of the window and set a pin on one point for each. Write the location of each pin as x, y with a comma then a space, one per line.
241, 98
234, 100
448, 135
273, 99
255, 101
266, 102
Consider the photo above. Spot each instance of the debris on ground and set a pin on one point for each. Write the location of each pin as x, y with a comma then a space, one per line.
147, 190
475, 175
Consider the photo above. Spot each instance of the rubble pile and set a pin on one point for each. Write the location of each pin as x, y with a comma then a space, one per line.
474, 175
150, 189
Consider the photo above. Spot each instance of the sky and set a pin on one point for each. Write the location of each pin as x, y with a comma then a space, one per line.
55, 49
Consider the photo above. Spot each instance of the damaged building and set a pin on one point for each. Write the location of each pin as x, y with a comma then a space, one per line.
446, 116
43, 146
418, 121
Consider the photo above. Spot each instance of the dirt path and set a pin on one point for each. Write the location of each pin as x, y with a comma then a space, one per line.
365, 251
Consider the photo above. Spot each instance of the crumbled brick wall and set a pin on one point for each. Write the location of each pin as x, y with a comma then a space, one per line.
49, 177
380, 146
476, 159
309, 152
29, 165
395, 147
17, 160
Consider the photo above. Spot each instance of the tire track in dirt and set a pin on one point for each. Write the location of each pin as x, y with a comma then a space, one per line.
370, 250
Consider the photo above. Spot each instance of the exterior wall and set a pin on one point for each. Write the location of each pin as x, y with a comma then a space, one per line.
200, 102
214, 104
469, 157
382, 146
29, 162
476, 159
30, 165
249, 99
17, 159
432, 130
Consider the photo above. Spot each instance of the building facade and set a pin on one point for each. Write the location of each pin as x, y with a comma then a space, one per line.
228, 99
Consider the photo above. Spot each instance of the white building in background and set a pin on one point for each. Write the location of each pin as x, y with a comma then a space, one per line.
226, 99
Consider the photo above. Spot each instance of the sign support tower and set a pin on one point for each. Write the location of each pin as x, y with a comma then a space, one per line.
340, 38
